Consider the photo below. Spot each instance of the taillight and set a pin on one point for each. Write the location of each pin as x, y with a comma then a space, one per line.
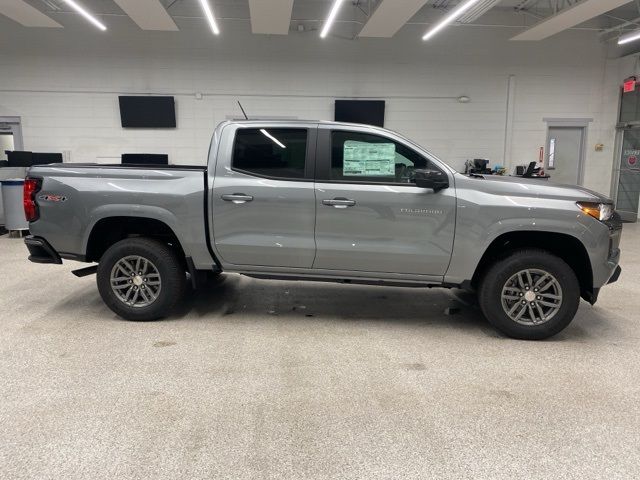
31, 188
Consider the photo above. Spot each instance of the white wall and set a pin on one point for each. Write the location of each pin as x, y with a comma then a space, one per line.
65, 88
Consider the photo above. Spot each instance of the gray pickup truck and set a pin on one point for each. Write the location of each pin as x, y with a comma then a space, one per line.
326, 201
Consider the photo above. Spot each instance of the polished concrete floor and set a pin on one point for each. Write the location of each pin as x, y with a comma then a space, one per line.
289, 380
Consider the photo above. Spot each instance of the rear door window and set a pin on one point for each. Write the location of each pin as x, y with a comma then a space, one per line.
271, 152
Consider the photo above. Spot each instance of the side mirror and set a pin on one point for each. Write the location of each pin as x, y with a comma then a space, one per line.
434, 179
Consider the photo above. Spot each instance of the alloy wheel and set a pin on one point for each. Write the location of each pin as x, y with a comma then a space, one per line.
531, 297
135, 281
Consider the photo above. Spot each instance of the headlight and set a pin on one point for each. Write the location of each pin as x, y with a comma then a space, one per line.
599, 211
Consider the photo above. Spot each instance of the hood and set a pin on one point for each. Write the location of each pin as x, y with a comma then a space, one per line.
530, 187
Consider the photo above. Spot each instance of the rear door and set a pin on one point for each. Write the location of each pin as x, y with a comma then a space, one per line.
371, 217
263, 196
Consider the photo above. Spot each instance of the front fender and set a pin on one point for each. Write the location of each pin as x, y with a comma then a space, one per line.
478, 227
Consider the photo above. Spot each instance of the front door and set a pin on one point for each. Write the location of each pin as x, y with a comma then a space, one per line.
263, 201
565, 155
371, 217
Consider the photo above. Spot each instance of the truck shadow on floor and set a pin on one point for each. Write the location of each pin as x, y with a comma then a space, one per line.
233, 295
238, 295
236, 298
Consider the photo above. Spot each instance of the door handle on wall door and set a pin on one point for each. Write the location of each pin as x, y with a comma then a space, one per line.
237, 198
339, 202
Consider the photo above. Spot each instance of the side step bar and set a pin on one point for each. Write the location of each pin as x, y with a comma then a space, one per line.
86, 271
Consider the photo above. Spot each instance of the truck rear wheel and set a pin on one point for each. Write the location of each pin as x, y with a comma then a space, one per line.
530, 295
141, 279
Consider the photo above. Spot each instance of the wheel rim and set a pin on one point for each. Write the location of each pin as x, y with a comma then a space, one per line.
531, 297
135, 281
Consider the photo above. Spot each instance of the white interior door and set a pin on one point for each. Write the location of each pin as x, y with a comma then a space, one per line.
6, 143
565, 155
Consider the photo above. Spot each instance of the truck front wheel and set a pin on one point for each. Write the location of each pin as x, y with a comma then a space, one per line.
141, 279
530, 295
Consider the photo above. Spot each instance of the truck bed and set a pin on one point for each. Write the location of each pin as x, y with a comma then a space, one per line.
75, 198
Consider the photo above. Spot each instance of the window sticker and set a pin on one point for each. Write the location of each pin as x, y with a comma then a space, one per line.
362, 159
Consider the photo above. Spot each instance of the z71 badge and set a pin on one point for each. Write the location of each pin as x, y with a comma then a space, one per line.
52, 198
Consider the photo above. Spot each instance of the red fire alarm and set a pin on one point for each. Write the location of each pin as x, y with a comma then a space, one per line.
629, 85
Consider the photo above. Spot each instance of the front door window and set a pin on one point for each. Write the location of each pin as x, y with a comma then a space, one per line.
365, 158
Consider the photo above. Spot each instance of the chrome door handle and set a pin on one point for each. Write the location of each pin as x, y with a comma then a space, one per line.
339, 203
237, 198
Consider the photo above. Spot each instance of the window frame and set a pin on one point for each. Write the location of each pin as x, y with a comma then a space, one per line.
324, 161
310, 155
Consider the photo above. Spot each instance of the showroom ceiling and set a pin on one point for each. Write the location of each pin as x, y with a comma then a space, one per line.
532, 20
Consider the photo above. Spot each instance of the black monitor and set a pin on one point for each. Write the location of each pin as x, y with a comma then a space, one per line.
368, 112
147, 112
145, 159
38, 158
17, 158
531, 169
480, 164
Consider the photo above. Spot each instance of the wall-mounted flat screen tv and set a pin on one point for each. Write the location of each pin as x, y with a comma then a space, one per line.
145, 159
147, 112
369, 112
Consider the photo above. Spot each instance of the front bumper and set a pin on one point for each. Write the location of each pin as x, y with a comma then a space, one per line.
616, 275
605, 259
41, 251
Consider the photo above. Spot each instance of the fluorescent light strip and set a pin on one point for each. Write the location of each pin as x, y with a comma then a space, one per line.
629, 37
331, 18
210, 18
275, 140
455, 13
85, 14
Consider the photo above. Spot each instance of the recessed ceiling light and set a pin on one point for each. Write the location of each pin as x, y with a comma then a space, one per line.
455, 13
210, 18
331, 18
85, 14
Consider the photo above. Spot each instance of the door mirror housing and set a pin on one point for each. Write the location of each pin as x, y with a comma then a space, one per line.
434, 179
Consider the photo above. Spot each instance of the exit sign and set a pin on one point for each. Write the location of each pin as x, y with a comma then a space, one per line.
629, 85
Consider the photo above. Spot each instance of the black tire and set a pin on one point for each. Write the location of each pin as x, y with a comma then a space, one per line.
501, 272
171, 273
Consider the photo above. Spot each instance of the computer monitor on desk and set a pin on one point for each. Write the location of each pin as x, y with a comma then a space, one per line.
533, 171
479, 166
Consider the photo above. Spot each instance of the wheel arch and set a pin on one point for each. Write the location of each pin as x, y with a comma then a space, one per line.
563, 245
109, 230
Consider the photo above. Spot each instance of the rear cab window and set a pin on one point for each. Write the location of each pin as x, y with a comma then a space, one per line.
279, 153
